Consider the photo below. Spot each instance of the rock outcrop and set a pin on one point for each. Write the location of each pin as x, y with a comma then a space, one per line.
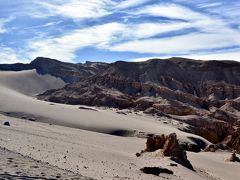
170, 147
234, 158
233, 140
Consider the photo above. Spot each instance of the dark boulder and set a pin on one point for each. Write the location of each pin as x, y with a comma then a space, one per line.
6, 123
156, 170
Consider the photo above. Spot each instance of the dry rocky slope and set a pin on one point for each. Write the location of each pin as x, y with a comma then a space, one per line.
204, 94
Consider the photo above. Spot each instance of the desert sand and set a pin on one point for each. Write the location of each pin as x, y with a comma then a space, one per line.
16, 166
79, 141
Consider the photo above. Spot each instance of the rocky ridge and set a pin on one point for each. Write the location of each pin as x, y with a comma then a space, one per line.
68, 72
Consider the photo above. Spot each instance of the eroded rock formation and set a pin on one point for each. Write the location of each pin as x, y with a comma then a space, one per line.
233, 140
170, 147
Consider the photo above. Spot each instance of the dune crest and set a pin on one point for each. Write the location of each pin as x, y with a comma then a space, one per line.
29, 82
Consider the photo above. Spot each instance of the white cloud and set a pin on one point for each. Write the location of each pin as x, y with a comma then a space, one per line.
64, 47
235, 55
168, 10
78, 9
210, 31
213, 32
203, 22
179, 44
8, 56
146, 58
43, 25
100, 36
3, 23
146, 30
130, 3
210, 5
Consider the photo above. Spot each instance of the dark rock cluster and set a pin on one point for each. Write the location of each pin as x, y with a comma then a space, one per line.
233, 140
170, 147
156, 170
234, 158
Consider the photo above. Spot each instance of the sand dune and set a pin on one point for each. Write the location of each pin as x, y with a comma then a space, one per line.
103, 156
16, 166
29, 82
91, 154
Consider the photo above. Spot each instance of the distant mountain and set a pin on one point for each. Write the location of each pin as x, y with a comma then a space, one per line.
68, 72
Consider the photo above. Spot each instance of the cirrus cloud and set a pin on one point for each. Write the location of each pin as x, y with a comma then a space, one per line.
63, 29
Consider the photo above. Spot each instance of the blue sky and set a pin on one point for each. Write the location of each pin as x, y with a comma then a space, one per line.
111, 30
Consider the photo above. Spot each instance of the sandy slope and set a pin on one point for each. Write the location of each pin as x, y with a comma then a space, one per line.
17, 166
215, 165
29, 82
89, 153
103, 156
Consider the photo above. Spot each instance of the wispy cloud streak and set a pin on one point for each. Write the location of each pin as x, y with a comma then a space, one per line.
64, 28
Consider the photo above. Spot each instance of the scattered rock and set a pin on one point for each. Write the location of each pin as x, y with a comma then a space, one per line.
150, 110
211, 148
138, 154
173, 164
234, 158
6, 123
32, 119
191, 147
199, 142
156, 170
120, 112
86, 108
